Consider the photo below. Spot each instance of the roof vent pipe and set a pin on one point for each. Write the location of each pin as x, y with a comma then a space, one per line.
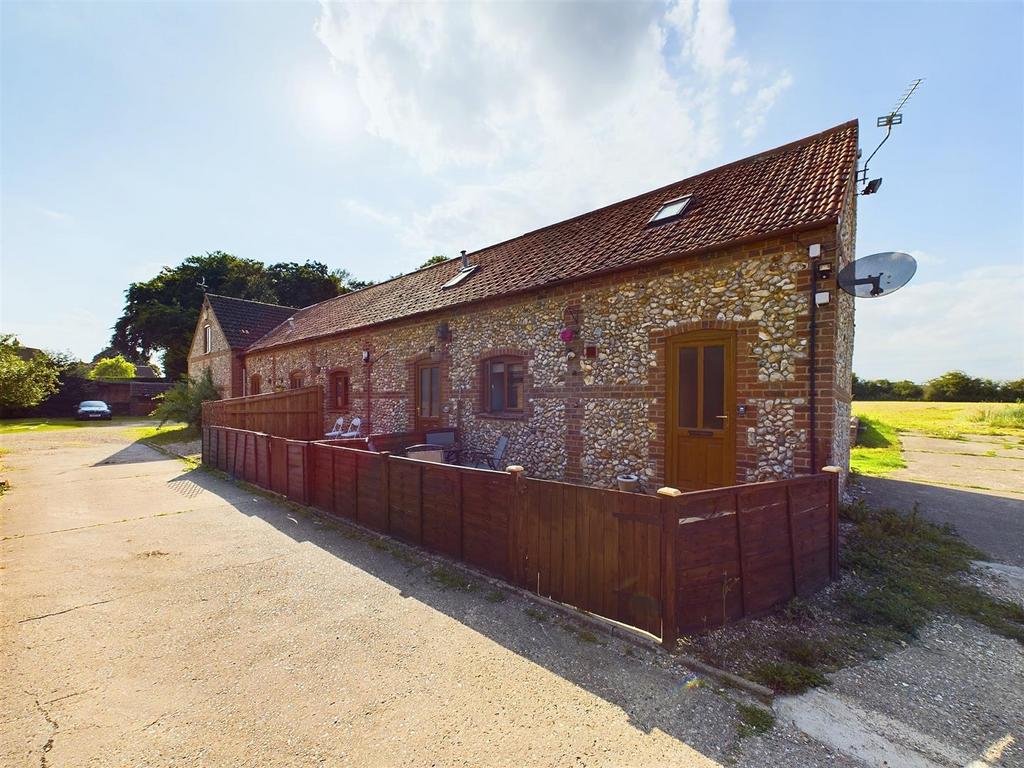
465, 260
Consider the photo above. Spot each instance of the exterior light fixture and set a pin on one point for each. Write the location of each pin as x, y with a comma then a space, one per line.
366, 356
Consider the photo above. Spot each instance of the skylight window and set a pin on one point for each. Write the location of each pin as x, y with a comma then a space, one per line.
461, 275
671, 210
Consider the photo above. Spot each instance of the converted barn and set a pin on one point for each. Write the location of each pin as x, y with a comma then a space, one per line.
692, 335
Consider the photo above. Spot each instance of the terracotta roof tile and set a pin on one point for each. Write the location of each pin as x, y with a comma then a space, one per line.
244, 321
799, 184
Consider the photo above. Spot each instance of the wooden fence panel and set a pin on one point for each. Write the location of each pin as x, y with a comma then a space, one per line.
639, 591
295, 482
762, 514
297, 414
346, 482
810, 520
279, 465
371, 490
262, 460
486, 510
709, 572
441, 508
405, 513
322, 485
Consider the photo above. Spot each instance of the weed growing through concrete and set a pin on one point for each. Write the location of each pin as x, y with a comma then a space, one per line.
754, 720
496, 596
447, 578
787, 676
536, 615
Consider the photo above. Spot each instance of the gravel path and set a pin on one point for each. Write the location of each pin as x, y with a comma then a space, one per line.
154, 616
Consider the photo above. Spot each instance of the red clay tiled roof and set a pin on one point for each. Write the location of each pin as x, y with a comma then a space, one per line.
244, 321
797, 185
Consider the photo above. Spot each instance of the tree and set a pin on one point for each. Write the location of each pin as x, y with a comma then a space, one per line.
184, 402
117, 367
439, 259
957, 386
299, 285
27, 377
160, 314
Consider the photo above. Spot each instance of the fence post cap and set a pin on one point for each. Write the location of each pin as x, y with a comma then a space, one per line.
670, 492
831, 468
514, 469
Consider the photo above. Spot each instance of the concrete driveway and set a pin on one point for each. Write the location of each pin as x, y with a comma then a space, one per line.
975, 484
154, 616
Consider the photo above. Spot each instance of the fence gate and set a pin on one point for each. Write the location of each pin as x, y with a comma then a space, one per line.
591, 548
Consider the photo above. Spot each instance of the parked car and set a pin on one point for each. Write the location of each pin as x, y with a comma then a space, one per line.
93, 409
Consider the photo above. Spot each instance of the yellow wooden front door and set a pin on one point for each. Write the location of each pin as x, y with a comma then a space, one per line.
700, 403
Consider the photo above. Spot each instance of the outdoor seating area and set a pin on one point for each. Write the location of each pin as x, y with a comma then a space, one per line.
441, 446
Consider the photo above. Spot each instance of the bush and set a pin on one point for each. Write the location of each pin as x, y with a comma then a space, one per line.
184, 402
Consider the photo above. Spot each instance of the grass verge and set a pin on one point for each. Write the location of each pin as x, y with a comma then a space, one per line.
167, 434
898, 572
41, 424
878, 451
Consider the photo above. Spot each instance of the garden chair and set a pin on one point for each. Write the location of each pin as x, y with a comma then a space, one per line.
338, 430
354, 428
482, 460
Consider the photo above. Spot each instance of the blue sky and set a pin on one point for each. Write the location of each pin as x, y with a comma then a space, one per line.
371, 137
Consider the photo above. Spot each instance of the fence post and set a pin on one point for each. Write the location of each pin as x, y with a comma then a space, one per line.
833, 520
514, 564
386, 496
669, 529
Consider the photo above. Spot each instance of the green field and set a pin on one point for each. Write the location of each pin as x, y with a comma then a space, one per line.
879, 448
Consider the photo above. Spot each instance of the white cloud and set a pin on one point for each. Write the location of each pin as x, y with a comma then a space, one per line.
974, 322
549, 109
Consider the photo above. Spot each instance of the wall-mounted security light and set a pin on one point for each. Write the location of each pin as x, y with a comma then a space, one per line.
366, 356
822, 297
814, 251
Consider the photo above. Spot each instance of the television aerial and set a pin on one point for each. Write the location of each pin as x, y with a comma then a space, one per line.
877, 275
895, 117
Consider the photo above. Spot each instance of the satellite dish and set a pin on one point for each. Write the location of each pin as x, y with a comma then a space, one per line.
878, 274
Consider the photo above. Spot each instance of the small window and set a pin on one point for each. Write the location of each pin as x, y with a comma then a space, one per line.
503, 385
338, 390
254, 384
207, 339
295, 380
461, 275
671, 210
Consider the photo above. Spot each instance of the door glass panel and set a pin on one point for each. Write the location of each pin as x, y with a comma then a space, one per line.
714, 387
435, 391
688, 387
424, 392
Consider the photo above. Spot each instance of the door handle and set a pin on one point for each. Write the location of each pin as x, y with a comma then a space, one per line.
721, 417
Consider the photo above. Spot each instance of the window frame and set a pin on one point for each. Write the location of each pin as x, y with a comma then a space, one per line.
300, 376
332, 390
486, 381
255, 384
657, 218
207, 339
